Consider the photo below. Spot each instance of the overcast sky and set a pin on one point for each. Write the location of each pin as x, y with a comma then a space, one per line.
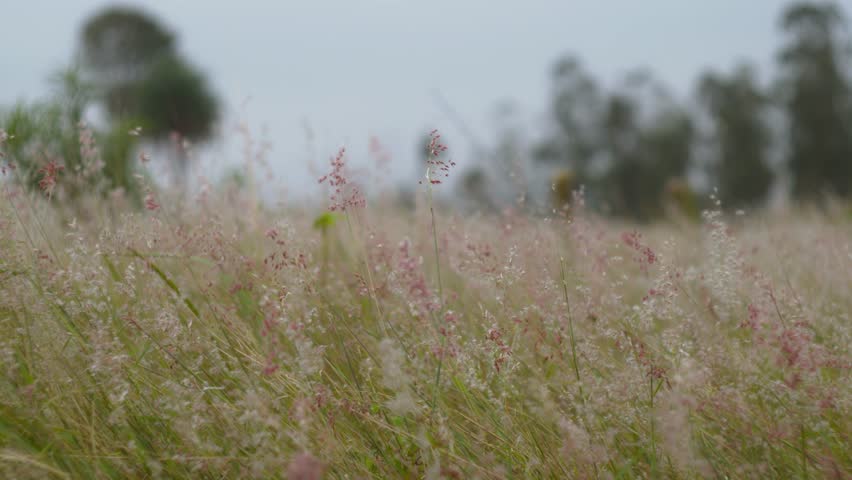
355, 68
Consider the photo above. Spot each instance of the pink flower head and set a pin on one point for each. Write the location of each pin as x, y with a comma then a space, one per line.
342, 197
437, 167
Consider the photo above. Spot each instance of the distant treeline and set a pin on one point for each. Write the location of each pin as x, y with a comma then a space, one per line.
638, 150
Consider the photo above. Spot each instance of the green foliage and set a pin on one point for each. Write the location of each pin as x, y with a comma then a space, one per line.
117, 148
52, 130
36, 130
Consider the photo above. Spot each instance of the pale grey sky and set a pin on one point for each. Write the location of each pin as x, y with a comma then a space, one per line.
352, 68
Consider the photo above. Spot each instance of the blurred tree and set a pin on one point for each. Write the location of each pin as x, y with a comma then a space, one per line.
141, 78
815, 91
118, 47
621, 138
625, 146
647, 138
577, 112
174, 98
668, 145
741, 138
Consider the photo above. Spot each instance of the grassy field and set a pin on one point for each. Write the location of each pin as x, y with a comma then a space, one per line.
229, 340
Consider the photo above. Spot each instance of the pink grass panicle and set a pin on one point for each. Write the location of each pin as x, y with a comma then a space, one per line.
49, 175
437, 168
151, 203
344, 194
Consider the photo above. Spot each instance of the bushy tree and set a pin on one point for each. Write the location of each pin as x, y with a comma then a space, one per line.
118, 47
141, 77
815, 91
576, 110
647, 139
741, 138
174, 98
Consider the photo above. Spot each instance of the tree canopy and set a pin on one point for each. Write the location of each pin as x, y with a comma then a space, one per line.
141, 77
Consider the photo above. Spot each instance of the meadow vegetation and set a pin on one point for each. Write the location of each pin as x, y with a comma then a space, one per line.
212, 336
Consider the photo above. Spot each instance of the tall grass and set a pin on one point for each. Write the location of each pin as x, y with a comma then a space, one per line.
226, 340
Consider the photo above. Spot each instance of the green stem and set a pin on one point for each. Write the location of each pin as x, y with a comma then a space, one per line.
570, 326
804, 453
440, 294
435, 244
651, 418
